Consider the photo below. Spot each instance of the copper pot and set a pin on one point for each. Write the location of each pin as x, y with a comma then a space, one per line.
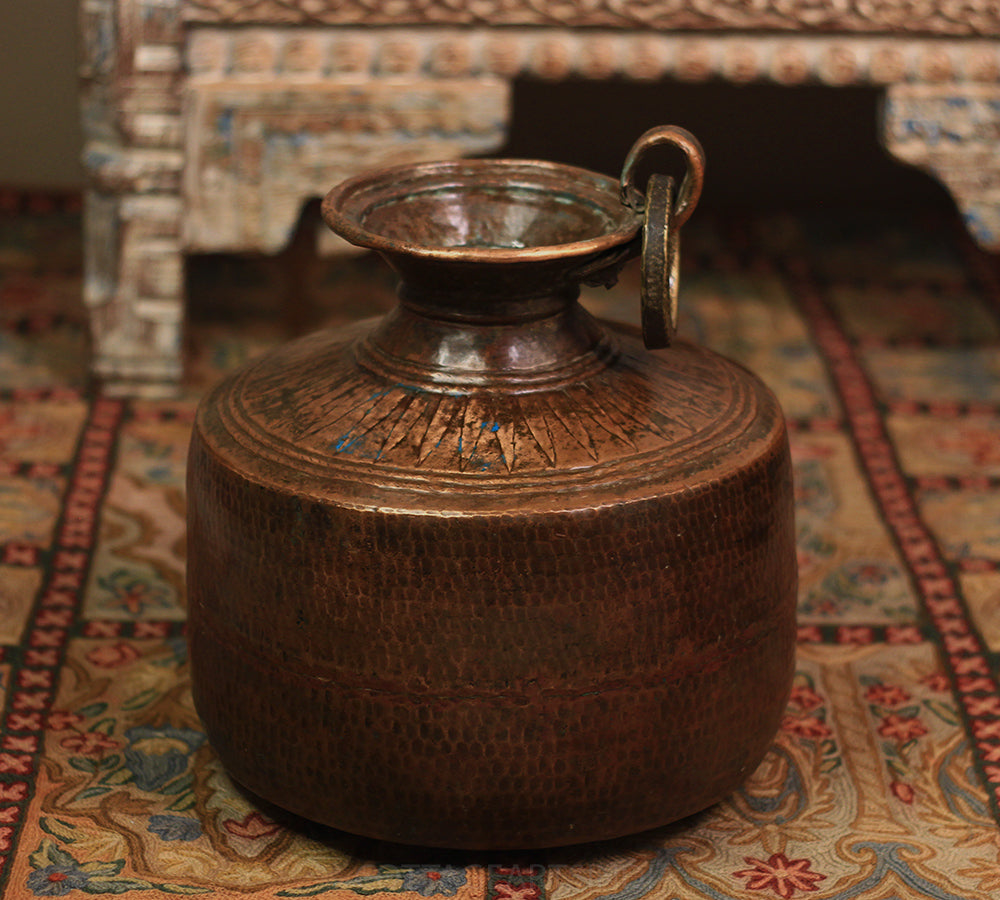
486, 573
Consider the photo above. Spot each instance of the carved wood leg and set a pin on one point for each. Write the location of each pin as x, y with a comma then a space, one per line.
131, 69
134, 288
952, 131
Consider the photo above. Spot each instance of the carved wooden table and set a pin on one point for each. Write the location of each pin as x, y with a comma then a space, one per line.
209, 122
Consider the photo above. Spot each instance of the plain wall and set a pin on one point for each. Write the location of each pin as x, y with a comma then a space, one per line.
40, 137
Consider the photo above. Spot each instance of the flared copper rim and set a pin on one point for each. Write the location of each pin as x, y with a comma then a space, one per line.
346, 207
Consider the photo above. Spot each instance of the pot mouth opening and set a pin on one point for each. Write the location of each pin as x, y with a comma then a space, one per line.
482, 210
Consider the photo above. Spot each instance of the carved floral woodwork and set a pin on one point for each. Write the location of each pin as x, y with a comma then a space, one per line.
953, 17
324, 53
208, 122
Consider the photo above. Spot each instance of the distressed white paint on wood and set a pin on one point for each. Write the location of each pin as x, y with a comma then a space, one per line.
953, 132
256, 153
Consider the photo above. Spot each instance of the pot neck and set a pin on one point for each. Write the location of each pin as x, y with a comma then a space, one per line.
455, 335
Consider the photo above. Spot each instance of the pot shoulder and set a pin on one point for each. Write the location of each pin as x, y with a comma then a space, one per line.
308, 419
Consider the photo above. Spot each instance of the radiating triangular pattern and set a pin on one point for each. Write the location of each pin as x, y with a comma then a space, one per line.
397, 431
623, 409
402, 429
505, 434
437, 429
358, 438
668, 425
604, 416
542, 433
335, 408
611, 415
575, 428
471, 432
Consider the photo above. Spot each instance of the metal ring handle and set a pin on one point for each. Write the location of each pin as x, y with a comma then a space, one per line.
694, 177
660, 266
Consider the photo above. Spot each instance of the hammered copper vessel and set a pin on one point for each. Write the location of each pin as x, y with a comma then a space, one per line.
487, 573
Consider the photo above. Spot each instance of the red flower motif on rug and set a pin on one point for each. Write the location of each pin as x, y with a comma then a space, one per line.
804, 698
111, 656
886, 695
252, 826
810, 727
61, 720
936, 681
902, 728
902, 791
89, 743
507, 891
780, 874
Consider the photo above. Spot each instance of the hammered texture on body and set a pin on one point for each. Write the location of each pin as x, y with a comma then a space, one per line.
500, 618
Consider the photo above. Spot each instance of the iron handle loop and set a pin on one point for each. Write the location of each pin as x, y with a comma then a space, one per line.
664, 212
660, 264
694, 176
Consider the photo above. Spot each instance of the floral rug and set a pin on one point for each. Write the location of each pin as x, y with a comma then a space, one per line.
879, 336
